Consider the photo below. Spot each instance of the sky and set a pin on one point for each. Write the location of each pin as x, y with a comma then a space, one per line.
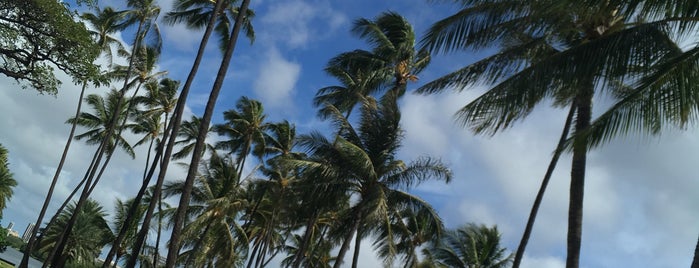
640, 208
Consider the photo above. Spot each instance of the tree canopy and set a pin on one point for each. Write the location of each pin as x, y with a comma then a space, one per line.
37, 36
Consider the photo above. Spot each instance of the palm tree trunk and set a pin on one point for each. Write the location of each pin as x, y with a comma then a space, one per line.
197, 245
30, 245
143, 232
150, 148
346, 241
544, 183
156, 254
577, 178
199, 146
110, 129
357, 243
306, 240
131, 214
695, 261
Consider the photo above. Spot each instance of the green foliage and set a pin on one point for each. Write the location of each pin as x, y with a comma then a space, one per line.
91, 233
15, 242
37, 36
471, 245
7, 182
3, 239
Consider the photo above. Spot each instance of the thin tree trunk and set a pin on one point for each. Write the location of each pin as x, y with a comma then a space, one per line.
346, 242
110, 129
52, 253
141, 238
577, 178
544, 183
357, 243
203, 128
156, 254
32, 238
131, 214
306, 240
695, 261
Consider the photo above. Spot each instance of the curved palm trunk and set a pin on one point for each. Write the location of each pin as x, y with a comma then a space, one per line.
110, 130
544, 183
357, 243
131, 214
577, 178
695, 261
346, 242
32, 238
199, 146
306, 240
93, 163
156, 254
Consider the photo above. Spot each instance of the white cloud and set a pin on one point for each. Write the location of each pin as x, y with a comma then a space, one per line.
276, 80
295, 23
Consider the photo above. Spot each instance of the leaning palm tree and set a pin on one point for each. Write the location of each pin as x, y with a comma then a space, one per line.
196, 14
91, 234
570, 50
7, 182
144, 13
469, 246
364, 160
105, 23
213, 236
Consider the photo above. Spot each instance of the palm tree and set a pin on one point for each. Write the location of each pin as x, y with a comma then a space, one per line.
409, 230
246, 128
189, 131
212, 235
7, 182
144, 13
393, 48
569, 50
364, 160
91, 234
319, 257
469, 246
105, 23
98, 122
121, 213
196, 14
392, 62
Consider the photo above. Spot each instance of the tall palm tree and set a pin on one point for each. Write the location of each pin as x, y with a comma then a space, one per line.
245, 126
196, 14
469, 246
392, 62
364, 160
105, 22
212, 235
7, 182
579, 48
91, 234
98, 122
144, 13
393, 46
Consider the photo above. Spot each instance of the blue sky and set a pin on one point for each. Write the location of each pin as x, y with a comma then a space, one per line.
640, 207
